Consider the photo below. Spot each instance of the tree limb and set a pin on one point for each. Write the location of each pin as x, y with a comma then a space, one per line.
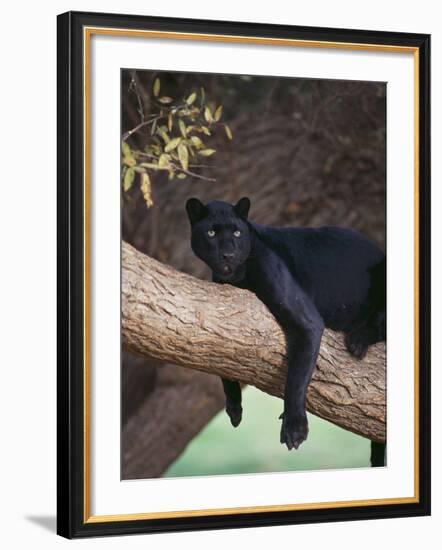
226, 331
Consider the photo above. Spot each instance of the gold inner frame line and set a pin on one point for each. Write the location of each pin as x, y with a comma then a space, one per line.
87, 33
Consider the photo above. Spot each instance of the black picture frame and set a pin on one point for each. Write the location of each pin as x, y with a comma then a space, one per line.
71, 393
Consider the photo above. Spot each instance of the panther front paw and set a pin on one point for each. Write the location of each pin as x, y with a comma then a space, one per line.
357, 344
294, 430
235, 414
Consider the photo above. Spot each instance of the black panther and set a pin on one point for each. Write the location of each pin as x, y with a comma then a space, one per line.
309, 278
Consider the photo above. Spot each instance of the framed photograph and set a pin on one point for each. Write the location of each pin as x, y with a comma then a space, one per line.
243, 218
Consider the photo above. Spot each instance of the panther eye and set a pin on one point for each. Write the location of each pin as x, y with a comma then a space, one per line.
237, 233
211, 233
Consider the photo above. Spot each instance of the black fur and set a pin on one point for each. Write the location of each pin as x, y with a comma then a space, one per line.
377, 455
308, 278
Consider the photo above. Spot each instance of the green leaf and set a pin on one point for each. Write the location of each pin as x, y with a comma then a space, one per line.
165, 100
128, 158
156, 87
191, 99
154, 127
129, 161
208, 115
164, 135
173, 144
182, 128
129, 177
197, 142
218, 113
146, 189
138, 169
206, 152
183, 155
206, 130
125, 149
150, 165
170, 122
181, 176
228, 131
164, 160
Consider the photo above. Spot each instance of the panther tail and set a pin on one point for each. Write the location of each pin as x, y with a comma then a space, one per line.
377, 456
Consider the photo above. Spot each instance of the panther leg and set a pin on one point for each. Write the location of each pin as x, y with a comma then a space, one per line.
365, 334
232, 391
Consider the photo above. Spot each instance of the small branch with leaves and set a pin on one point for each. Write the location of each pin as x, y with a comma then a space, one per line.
177, 138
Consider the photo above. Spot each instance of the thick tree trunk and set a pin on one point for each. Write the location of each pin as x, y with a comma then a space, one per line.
183, 402
223, 330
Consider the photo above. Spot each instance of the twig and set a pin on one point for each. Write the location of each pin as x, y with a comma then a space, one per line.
203, 166
133, 87
193, 174
157, 116
127, 134
177, 167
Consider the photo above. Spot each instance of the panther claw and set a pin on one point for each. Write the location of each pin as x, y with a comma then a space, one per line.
235, 415
293, 432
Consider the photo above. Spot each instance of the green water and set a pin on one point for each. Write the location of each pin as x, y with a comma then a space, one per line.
254, 446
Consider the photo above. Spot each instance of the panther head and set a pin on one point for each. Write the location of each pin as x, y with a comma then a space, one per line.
221, 236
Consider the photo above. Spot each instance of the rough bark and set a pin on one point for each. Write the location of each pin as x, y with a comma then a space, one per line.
223, 330
138, 381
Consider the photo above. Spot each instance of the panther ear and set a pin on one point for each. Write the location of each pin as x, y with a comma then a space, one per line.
195, 210
242, 207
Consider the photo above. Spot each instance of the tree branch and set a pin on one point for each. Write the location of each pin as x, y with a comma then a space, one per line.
179, 167
226, 331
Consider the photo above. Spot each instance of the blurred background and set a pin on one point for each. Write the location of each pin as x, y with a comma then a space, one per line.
307, 152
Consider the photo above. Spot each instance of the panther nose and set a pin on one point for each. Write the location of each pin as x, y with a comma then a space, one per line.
228, 255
